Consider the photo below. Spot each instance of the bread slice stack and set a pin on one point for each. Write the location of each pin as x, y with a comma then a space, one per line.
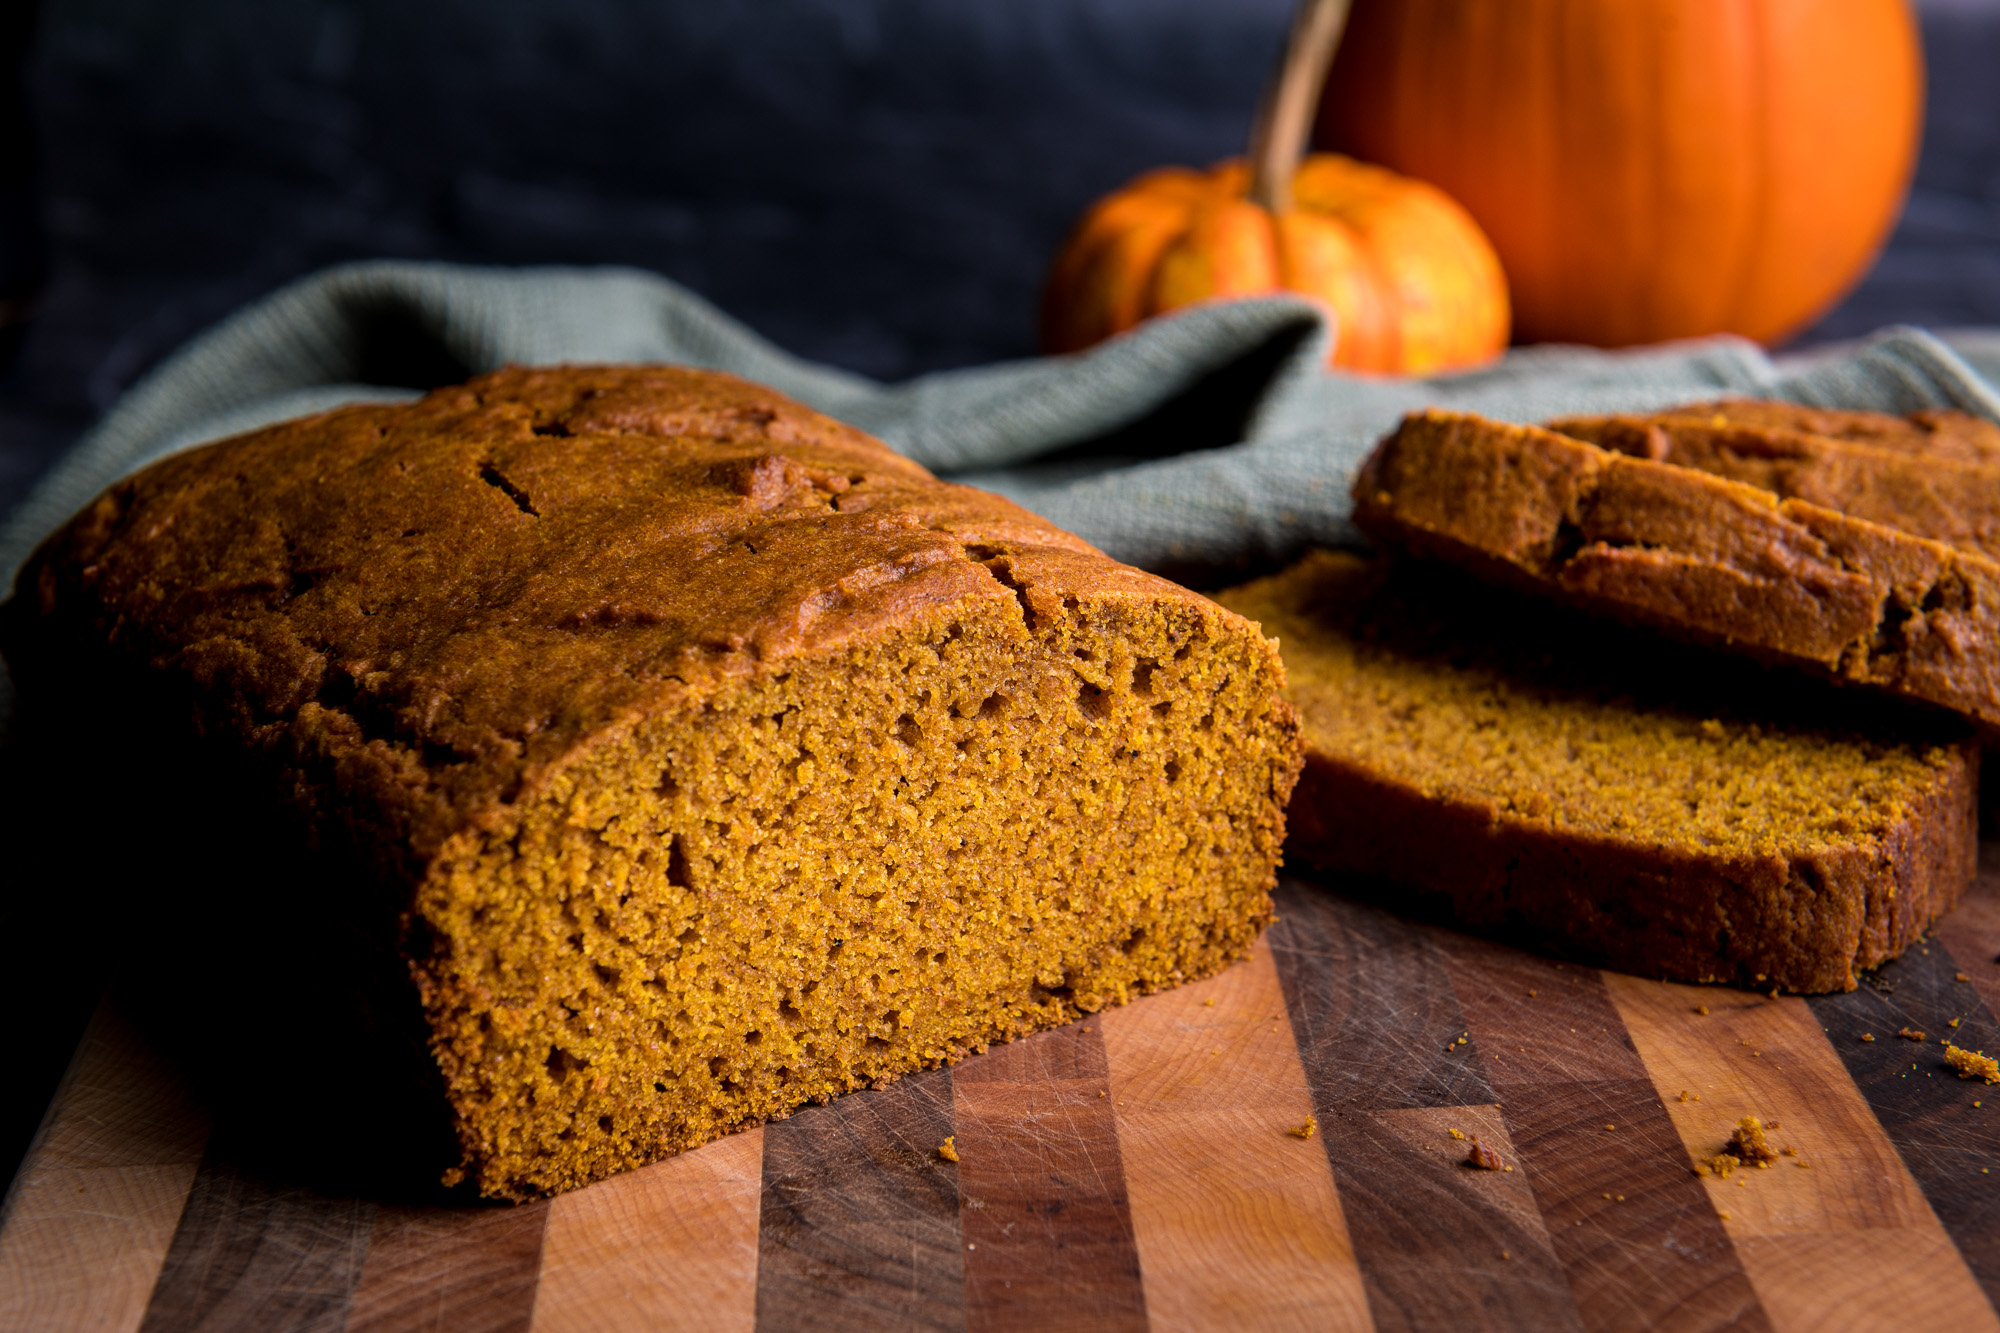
1530, 766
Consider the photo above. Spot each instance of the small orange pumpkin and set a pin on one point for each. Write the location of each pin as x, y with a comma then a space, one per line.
1413, 284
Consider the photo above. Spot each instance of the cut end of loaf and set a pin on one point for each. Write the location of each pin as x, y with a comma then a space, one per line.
858, 866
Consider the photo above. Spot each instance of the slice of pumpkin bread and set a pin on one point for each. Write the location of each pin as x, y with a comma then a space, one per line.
1918, 490
1933, 433
1578, 787
1700, 556
717, 759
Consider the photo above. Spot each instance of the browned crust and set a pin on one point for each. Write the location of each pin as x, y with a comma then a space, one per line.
1798, 923
416, 615
1699, 556
1918, 491
1936, 433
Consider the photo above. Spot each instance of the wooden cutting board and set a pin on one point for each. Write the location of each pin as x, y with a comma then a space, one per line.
1140, 1170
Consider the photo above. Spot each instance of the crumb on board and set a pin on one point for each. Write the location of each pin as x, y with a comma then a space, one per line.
1747, 1146
1951, 1022
1457, 1134
946, 1150
1701, 1009
1910, 1034
1972, 1064
1307, 1130
1748, 1142
1209, 1003
1483, 1156
1960, 976
1867, 1036
1609, 1127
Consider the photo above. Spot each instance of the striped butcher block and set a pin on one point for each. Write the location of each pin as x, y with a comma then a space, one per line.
1148, 1168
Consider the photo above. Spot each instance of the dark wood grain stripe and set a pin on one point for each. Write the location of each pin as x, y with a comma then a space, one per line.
881, 1249
463, 1270
1043, 1212
1639, 1241
1951, 1147
250, 1254
1373, 1013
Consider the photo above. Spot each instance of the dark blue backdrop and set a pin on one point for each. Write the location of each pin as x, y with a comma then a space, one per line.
875, 183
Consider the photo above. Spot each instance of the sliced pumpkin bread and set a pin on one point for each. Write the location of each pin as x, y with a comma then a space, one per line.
1580, 788
1701, 556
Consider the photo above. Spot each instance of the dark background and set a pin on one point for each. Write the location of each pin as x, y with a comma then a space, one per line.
873, 183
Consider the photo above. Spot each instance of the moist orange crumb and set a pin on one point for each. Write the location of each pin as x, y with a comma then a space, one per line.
1972, 1064
1307, 1130
1910, 1034
1748, 1143
948, 1149
1483, 1156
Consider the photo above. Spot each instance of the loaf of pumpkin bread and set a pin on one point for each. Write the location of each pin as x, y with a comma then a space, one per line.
1568, 784
716, 759
1701, 556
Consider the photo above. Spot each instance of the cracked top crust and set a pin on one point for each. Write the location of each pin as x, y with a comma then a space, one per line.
438, 603
1700, 556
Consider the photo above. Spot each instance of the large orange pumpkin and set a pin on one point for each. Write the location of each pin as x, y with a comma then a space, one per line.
1647, 169
1413, 285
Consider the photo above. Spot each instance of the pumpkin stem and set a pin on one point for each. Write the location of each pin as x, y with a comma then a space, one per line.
1279, 140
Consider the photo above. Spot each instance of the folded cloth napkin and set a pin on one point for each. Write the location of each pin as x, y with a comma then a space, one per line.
1213, 440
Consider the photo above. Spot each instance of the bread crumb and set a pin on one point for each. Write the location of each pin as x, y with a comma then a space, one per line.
1723, 1216
1951, 1023
1748, 1143
1307, 1130
1701, 1009
1620, 1199
1867, 1036
1455, 1133
1505, 1255
1789, 1152
1909, 1034
1684, 1095
1972, 1064
1209, 1003
1483, 1156
946, 1151
1611, 1126
1531, 994
1960, 976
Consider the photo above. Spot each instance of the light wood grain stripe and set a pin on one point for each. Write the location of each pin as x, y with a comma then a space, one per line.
94, 1207
671, 1246
1043, 1208
1803, 1231
1237, 1220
